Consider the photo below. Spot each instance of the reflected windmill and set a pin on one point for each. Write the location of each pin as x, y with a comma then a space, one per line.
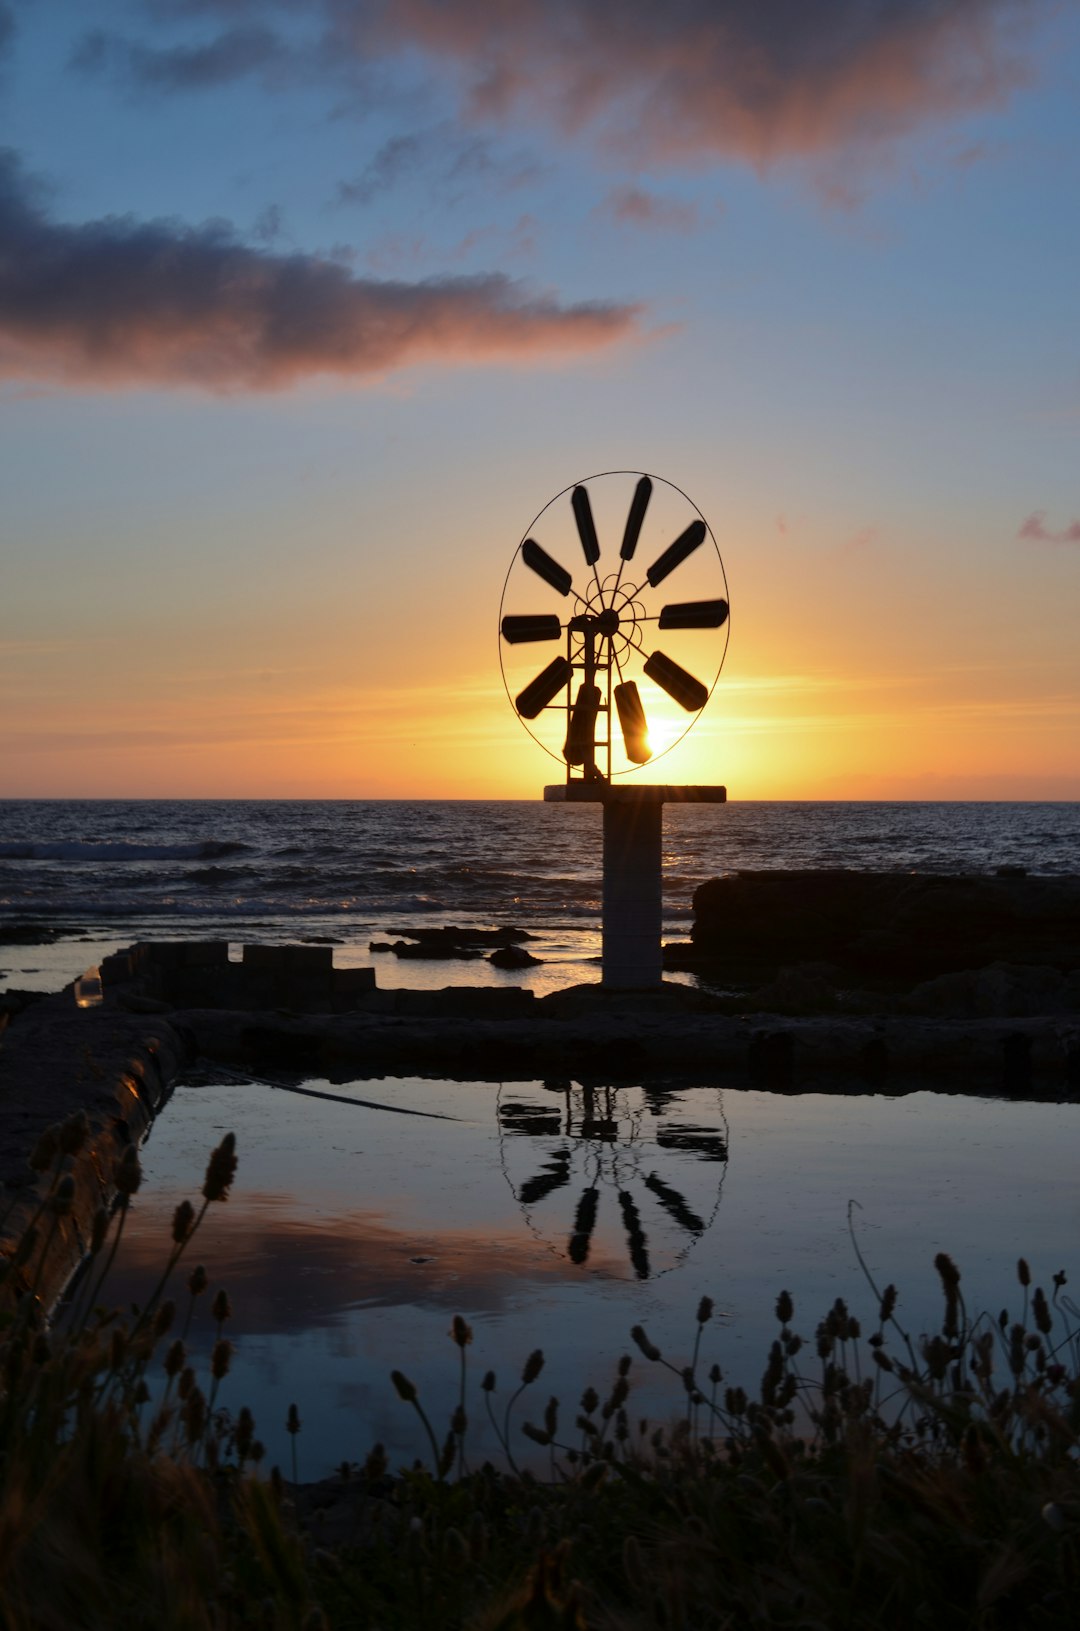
617, 1174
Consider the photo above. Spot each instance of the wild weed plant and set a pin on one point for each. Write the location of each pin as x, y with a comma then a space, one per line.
875, 1478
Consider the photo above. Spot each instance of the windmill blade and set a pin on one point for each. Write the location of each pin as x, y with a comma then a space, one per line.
545, 567
676, 553
688, 692
635, 1235
539, 626
635, 731
638, 505
552, 1175
581, 737
584, 1224
695, 614
585, 526
675, 1205
547, 684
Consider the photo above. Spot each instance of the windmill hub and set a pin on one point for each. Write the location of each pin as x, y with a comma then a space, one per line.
615, 631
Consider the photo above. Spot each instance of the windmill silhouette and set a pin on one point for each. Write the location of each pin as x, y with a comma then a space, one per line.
588, 1157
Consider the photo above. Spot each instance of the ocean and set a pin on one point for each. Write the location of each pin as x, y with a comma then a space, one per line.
95, 875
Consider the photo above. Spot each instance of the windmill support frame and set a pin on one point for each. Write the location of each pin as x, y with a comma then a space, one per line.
632, 922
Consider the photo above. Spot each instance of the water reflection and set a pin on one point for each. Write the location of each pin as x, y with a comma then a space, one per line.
353, 1236
589, 1159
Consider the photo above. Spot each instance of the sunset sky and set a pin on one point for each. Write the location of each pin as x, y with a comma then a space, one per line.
308, 307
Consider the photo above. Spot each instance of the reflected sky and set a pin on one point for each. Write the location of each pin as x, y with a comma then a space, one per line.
557, 1216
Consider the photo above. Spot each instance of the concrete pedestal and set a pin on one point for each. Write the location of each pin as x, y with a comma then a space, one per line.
633, 916
633, 897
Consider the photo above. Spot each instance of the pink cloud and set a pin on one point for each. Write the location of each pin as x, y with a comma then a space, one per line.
636, 207
118, 302
755, 79
698, 77
1035, 528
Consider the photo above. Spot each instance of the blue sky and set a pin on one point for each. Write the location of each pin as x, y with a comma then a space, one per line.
306, 310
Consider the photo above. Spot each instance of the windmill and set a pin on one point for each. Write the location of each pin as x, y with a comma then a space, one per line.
633, 642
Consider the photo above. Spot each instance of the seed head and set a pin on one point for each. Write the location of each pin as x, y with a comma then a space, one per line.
533, 1366
704, 1311
221, 1307
1023, 1273
649, 1349
292, 1420
245, 1431
197, 1281
174, 1359
488, 1384
221, 1170
163, 1319
220, 1358
183, 1218
405, 1389
785, 1308
461, 1331
99, 1229
127, 1173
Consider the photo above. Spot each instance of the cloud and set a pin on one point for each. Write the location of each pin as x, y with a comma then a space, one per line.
396, 158
758, 80
453, 163
634, 206
1035, 528
237, 53
119, 302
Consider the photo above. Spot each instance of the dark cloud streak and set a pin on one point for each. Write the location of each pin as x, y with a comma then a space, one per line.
238, 53
119, 302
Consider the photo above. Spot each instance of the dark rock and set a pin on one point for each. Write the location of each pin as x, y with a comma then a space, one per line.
513, 957
892, 929
34, 934
451, 935
795, 991
1002, 991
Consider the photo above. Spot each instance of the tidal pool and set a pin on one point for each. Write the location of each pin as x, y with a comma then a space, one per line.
556, 1216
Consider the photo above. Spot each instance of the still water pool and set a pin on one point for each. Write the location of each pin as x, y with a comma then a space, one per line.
554, 1216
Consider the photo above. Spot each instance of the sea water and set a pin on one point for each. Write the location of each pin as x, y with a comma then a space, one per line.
100, 874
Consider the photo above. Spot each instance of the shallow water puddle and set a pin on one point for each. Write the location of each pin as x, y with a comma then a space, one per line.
556, 1216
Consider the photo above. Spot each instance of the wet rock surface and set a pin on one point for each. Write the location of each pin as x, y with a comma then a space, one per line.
801, 936
451, 943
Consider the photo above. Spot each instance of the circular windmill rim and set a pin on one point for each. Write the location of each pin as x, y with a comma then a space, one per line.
584, 481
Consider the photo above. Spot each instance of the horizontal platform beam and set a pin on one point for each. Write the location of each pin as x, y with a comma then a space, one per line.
601, 792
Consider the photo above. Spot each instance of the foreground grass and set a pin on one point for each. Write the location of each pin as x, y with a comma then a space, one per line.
874, 1480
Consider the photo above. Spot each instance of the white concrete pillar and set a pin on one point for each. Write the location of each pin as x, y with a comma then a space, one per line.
633, 899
